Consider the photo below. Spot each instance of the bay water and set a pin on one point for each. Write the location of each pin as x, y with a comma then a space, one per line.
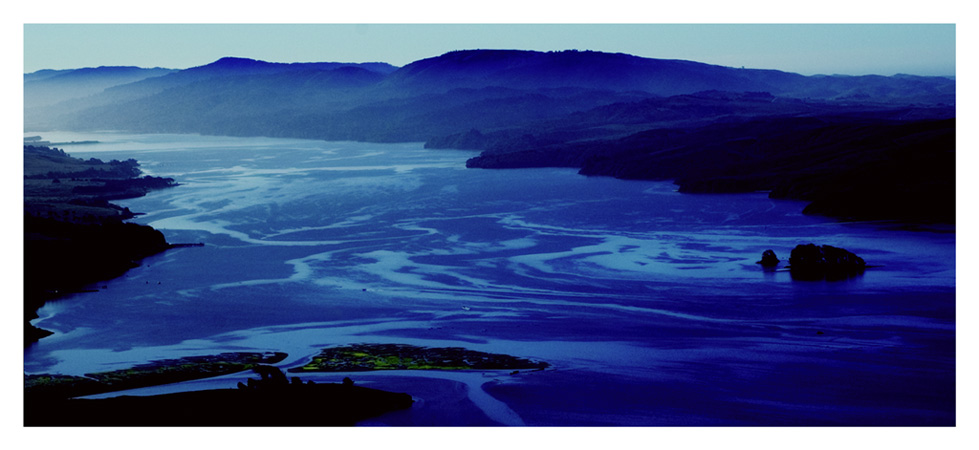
647, 303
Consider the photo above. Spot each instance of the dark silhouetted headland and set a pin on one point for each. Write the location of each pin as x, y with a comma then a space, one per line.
73, 236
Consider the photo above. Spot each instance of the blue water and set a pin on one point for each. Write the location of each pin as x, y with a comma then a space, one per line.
647, 303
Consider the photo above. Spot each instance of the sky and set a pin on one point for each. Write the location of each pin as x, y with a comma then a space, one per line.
849, 49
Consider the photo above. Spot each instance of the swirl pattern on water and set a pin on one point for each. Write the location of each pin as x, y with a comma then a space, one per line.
310, 244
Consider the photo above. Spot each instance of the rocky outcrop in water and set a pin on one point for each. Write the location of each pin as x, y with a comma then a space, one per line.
769, 259
818, 262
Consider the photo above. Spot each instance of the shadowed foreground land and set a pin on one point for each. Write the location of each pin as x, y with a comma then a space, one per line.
151, 374
51, 400
290, 405
273, 400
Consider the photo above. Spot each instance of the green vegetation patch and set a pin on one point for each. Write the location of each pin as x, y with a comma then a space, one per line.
150, 374
365, 357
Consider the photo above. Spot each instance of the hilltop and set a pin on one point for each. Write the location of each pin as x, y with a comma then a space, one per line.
488, 90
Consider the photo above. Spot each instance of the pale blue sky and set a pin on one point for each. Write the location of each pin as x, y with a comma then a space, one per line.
851, 49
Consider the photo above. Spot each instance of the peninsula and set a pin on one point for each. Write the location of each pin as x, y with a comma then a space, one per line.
73, 236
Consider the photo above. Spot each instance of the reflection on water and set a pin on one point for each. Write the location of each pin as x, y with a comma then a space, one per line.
310, 244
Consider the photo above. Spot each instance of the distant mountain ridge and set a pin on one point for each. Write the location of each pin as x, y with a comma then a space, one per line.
319, 100
48, 87
521, 108
587, 69
65, 93
624, 72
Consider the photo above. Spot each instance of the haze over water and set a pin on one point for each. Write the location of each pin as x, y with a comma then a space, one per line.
647, 303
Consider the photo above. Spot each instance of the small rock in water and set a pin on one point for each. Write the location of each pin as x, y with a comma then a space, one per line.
768, 259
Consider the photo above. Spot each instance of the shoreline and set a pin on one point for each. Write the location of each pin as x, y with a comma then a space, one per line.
628, 338
59, 400
74, 237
